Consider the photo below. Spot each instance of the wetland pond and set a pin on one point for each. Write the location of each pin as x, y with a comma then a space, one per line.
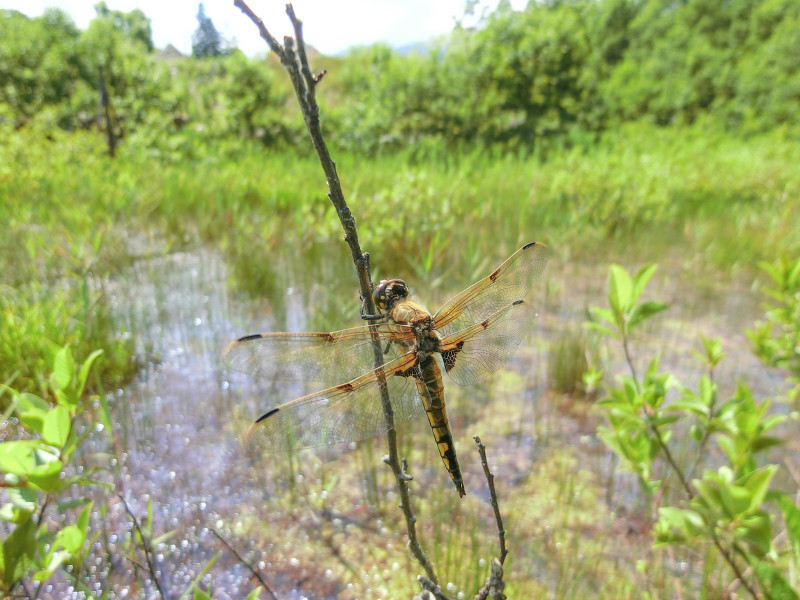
325, 523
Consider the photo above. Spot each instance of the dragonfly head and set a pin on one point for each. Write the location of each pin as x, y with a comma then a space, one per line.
388, 292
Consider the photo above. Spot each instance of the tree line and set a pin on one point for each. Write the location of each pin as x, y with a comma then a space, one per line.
557, 72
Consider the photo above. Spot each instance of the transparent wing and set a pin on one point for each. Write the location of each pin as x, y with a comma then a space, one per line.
478, 351
511, 281
347, 412
337, 356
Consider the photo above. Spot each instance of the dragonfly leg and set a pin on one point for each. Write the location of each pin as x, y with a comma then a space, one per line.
367, 317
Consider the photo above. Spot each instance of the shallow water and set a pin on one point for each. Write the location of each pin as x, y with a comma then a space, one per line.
178, 425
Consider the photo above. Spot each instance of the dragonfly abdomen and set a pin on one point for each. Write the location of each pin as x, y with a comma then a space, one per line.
431, 390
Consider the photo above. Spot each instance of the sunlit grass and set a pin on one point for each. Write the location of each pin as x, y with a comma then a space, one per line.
728, 200
38, 319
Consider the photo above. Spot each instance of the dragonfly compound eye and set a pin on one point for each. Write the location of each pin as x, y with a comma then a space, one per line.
379, 295
389, 291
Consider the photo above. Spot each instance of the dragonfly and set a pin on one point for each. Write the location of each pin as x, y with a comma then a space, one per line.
399, 356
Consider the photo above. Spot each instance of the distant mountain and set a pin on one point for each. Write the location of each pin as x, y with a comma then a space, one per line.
411, 47
404, 49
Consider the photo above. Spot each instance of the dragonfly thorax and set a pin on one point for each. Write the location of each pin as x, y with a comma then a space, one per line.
427, 339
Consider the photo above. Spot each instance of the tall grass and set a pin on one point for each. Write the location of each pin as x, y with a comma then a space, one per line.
697, 195
734, 198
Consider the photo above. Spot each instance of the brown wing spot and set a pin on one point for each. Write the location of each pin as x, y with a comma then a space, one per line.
345, 387
449, 356
328, 337
247, 338
494, 274
410, 372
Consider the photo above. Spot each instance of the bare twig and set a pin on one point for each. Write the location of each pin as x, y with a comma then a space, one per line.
146, 546
501, 533
405, 505
432, 588
493, 588
304, 83
246, 563
495, 585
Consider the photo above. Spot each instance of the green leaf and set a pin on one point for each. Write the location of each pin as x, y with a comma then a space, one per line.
83, 521
713, 350
31, 410
757, 483
601, 329
689, 403
604, 314
84, 372
791, 515
22, 503
71, 538
756, 532
644, 311
29, 459
46, 476
677, 525
620, 288
728, 445
17, 456
764, 442
19, 549
160, 539
57, 426
773, 582
206, 568
63, 369
640, 281
52, 562
253, 595
148, 526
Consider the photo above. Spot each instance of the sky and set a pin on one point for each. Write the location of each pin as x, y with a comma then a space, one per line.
331, 26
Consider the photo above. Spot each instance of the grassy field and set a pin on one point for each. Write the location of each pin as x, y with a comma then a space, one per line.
703, 204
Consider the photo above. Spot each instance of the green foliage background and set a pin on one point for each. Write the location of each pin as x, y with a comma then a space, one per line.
555, 74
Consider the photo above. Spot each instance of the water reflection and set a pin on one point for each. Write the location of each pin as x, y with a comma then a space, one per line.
178, 425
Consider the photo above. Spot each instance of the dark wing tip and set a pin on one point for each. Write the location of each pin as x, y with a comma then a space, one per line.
252, 336
516, 302
267, 415
542, 245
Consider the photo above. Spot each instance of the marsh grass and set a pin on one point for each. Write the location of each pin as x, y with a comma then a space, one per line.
708, 202
568, 361
37, 319
729, 201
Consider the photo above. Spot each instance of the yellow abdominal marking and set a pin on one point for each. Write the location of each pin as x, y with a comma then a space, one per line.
443, 447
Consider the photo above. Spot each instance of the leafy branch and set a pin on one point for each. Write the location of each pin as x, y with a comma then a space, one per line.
726, 506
